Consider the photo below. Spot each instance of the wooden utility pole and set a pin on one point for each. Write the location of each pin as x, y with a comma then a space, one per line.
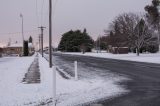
42, 28
50, 33
39, 41
50, 53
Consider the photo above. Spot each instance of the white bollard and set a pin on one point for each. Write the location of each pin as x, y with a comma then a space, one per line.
76, 71
54, 85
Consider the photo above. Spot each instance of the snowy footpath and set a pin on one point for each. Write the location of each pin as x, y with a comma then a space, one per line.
148, 57
69, 92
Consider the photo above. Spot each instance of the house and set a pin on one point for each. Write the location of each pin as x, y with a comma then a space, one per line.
14, 49
119, 50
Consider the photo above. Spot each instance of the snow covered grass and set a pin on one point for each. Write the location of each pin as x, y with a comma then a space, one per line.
13, 92
12, 70
69, 92
148, 57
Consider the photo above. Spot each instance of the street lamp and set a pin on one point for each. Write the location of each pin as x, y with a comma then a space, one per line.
21, 16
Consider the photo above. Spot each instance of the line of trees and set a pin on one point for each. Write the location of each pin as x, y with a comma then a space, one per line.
138, 32
132, 31
127, 30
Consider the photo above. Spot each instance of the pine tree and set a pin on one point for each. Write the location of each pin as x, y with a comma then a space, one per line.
30, 39
76, 41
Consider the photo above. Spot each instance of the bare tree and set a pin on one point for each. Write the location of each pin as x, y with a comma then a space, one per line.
142, 36
130, 30
122, 28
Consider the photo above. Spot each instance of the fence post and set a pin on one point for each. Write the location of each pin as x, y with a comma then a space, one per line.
76, 71
54, 85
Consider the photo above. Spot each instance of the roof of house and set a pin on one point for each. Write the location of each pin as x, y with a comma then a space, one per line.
16, 45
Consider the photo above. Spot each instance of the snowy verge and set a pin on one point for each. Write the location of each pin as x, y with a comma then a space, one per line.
71, 92
12, 70
149, 57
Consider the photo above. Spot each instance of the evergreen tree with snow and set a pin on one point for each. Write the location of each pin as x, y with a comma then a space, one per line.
76, 41
30, 39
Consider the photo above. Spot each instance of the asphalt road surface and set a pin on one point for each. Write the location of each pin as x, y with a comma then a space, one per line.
144, 86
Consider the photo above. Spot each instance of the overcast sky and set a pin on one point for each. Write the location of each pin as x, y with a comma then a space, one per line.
94, 15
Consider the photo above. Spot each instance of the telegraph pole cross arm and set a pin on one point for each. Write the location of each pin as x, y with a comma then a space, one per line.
42, 28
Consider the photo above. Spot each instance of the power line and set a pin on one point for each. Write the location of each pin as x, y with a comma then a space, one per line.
37, 12
46, 16
42, 6
10, 33
54, 7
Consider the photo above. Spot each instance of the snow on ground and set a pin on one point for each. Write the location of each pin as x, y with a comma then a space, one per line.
69, 92
148, 57
12, 70
13, 92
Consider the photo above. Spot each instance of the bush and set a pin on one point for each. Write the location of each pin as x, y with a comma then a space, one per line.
153, 48
26, 50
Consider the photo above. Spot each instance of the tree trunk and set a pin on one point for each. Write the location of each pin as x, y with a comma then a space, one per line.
83, 51
137, 50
